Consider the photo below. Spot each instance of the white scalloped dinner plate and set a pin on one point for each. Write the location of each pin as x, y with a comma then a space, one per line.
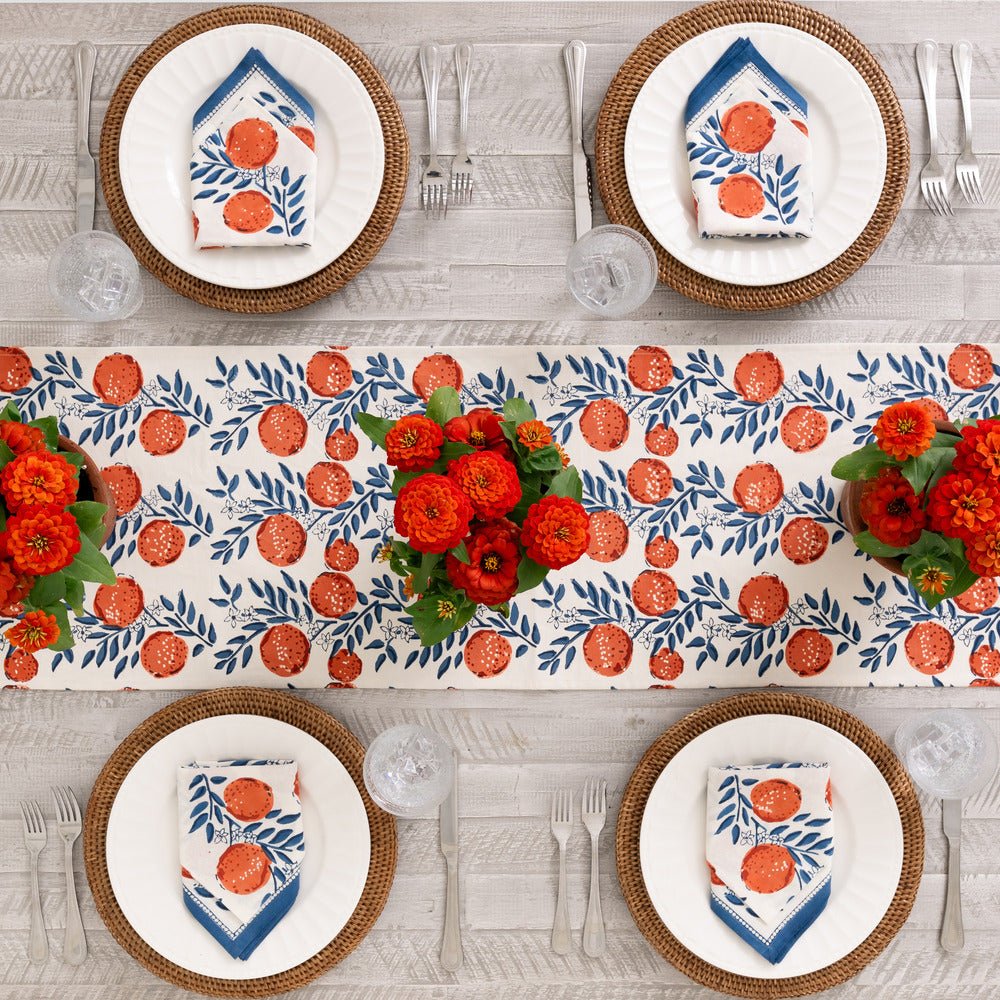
155, 149
142, 847
849, 156
868, 850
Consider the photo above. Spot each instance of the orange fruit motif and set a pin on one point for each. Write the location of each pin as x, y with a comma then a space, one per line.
984, 662
936, 410
801, 126
281, 540
666, 665
332, 594
119, 604
487, 653
775, 799
251, 143
758, 488
435, 371
804, 540
604, 425
984, 682
344, 666
747, 127
970, 366
654, 593
607, 649
829, 794
124, 485
649, 480
661, 440
15, 369
329, 373
767, 868
341, 445
763, 599
196, 225
650, 369
243, 868
282, 430
808, 652
713, 877
741, 196
20, 665
305, 134
248, 212
661, 552
803, 429
328, 484
608, 536
163, 654
341, 555
160, 543
758, 376
980, 596
285, 650
929, 647
162, 432
117, 379
248, 798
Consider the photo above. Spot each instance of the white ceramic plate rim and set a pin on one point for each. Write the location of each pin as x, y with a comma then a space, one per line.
142, 837
849, 161
153, 162
672, 843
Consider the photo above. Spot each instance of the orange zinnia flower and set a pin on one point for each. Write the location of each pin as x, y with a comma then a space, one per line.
904, 430
958, 506
33, 632
39, 478
983, 553
413, 443
979, 449
533, 434
433, 513
555, 531
562, 454
933, 580
42, 540
489, 481
21, 438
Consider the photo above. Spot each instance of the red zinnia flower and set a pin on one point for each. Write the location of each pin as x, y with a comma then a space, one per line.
433, 513
555, 531
21, 438
891, 509
33, 632
42, 540
533, 434
490, 575
905, 430
413, 443
489, 481
978, 453
39, 478
983, 553
481, 428
958, 506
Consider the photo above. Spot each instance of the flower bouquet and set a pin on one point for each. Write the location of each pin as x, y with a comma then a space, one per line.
925, 500
48, 539
486, 505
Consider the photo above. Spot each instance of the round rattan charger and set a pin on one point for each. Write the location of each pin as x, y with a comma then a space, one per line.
340, 271
630, 822
612, 123
237, 701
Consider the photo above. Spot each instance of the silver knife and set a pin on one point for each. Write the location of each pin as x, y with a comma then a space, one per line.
575, 57
84, 57
451, 940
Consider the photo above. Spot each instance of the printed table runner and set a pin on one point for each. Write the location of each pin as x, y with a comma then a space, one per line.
253, 514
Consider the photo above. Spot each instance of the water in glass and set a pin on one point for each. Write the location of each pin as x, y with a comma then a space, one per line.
611, 270
94, 276
409, 770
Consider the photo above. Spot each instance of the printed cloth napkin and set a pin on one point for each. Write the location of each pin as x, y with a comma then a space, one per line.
241, 847
253, 168
749, 150
770, 851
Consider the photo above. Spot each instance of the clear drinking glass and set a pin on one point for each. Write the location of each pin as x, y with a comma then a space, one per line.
94, 276
409, 770
611, 270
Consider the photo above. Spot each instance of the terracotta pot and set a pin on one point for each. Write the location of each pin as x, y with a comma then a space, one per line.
93, 486
850, 509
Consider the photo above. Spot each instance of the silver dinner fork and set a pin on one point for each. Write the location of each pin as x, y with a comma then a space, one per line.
594, 811
562, 826
435, 180
933, 185
967, 167
68, 825
34, 840
462, 168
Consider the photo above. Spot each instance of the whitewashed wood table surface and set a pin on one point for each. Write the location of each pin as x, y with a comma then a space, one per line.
492, 273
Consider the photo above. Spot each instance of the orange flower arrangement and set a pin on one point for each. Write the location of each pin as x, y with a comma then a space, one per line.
904, 430
36, 630
21, 438
39, 477
486, 505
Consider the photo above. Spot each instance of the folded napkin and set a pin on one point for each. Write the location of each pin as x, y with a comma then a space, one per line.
241, 847
749, 150
253, 169
770, 850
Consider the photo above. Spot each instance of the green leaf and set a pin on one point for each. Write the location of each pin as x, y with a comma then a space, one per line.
375, 428
530, 574
518, 410
65, 639
422, 574
49, 427
429, 624
90, 517
867, 542
529, 495
545, 459
10, 412
566, 483
930, 543
443, 405
400, 479
90, 564
74, 594
451, 450
924, 470
461, 553
47, 590
865, 463
6, 455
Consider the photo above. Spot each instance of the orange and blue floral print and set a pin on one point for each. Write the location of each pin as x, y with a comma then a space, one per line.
254, 161
241, 847
769, 849
749, 149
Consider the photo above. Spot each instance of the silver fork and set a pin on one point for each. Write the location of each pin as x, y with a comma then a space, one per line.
462, 168
967, 167
434, 181
933, 185
594, 811
562, 826
34, 840
68, 825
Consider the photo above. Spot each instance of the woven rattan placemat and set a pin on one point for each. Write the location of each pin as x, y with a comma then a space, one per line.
613, 121
336, 274
634, 804
237, 701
